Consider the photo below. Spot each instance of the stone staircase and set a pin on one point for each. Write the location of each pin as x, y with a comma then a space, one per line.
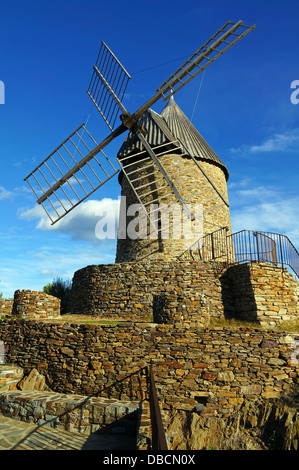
9, 377
36, 418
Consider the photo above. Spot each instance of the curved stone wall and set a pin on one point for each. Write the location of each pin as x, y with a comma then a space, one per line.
186, 291
151, 291
6, 306
33, 305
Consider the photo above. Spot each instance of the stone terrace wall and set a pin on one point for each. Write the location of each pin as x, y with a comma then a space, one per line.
6, 306
182, 291
216, 367
263, 293
35, 305
186, 291
70, 412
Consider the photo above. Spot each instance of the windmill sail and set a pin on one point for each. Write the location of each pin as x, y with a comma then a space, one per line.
220, 42
108, 85
60, 182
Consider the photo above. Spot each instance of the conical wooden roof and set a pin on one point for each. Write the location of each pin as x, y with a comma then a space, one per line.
171, 124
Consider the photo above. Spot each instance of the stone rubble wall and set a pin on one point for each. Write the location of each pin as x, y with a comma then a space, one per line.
186, 291
214, 368
6, 307
33, 305
263, 292
160, 292
62, 411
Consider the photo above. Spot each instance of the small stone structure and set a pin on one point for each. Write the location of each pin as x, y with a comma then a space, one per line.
6, 307
34, 305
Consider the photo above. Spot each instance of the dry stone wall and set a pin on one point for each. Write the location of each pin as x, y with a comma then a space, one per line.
160, 292
186, 291
213, 369
6, 306
264, 293
69, 412
35, 305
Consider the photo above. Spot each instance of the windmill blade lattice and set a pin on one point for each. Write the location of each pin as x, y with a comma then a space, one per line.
108, 85
220, 42
60, 182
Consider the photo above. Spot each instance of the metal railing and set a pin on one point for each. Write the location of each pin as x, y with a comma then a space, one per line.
245, 246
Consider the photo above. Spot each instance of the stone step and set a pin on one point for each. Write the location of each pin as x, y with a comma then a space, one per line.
9, 377
69, 412
18, 435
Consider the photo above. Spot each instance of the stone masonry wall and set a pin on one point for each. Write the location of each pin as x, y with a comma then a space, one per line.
6, 306
218, 368
186, 291
69, 412
264, 293
35, 305
182, 291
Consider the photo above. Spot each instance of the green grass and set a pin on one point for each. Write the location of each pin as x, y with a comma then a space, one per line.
101, 322
291, 327
232, 322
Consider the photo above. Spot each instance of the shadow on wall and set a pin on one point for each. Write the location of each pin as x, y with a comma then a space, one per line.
159, 315
237, 294
119, 435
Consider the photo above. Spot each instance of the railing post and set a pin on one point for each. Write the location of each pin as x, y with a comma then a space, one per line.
212, 246
255, 234
158, 435
281, 255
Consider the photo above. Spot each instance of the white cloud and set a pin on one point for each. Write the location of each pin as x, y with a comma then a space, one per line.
284, 142
55, 259
4, 193
50, 272
81, 222
9, 194
264, 208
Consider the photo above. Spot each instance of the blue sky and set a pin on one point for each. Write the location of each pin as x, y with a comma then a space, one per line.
244, 111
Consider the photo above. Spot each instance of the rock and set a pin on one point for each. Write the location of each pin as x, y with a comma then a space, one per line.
33, 381
266, 343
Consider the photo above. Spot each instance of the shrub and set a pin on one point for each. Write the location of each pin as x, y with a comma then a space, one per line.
60, 289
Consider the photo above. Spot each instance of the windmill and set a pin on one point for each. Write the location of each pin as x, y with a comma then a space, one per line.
79, 166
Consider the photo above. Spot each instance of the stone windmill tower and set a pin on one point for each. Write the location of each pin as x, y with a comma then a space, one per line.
196, 171
165, 163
